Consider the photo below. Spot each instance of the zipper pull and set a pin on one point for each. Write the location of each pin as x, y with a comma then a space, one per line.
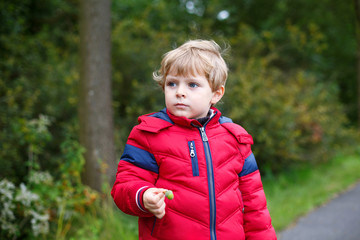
192, 152
203, 134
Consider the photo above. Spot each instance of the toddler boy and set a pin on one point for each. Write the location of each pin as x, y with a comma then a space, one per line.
189, 148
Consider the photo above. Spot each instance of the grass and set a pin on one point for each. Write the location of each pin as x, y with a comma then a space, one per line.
289, 195
295, 193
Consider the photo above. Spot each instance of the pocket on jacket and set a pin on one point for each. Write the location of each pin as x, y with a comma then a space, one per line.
155, 231
153, 227
194, 159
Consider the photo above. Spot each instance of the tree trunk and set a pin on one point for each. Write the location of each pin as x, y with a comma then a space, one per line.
95, 104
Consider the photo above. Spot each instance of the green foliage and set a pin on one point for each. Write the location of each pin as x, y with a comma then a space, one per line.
335, 63
292, 116
38, 77
45, 206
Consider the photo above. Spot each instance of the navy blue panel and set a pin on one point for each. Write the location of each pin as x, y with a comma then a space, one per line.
194, 158
140, 158
225, 120
162, 115
250, 166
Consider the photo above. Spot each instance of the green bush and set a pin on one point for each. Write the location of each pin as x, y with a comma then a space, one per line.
45, 206
292, 114
32, 86
38, 76
292, 117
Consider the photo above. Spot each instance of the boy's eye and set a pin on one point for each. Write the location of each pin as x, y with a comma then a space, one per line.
193, 85
171, 84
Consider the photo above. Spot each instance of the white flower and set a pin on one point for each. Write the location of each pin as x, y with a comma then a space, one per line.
25, 196
40, 177
40, 124
6, 190
39, 223
7, 211
9, 227
7, 206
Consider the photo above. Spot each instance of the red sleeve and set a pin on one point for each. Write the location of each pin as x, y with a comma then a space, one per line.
136, 173
257, 220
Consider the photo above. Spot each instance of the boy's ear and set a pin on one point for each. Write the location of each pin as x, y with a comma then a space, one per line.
218, 94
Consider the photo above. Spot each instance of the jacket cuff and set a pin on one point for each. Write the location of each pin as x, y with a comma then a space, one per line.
139, 198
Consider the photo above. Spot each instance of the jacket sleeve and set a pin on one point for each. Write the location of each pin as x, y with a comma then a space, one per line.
137, 171
257, 220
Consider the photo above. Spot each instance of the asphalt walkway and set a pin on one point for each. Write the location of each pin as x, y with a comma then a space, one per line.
337, 220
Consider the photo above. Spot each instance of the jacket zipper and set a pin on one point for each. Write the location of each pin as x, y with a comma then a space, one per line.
210, 172
194, 160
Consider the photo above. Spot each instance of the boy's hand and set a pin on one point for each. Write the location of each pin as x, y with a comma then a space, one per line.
153, 200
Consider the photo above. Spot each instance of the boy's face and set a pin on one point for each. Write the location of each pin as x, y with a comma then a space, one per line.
191, 96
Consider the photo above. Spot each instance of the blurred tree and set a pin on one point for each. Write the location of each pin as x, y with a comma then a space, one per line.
95, 108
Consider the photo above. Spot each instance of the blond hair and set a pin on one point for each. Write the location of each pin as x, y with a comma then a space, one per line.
192, 58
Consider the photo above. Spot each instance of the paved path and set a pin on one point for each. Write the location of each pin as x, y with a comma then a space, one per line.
337, 220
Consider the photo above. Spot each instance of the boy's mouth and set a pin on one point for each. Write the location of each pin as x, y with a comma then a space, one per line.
180, 105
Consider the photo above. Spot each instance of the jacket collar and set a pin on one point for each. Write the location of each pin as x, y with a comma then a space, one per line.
186, 122
155, 122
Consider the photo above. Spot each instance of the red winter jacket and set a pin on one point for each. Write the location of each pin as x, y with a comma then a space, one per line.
211, 170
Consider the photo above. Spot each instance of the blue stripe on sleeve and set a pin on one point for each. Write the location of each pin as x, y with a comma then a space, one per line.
140, 158
250, 166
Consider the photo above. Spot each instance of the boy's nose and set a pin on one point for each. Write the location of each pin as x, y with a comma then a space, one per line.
180, 92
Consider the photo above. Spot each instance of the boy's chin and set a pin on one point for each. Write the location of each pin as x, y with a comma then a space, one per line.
178, 113
185, 114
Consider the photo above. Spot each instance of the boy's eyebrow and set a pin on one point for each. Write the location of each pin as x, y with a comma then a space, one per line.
171, 77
